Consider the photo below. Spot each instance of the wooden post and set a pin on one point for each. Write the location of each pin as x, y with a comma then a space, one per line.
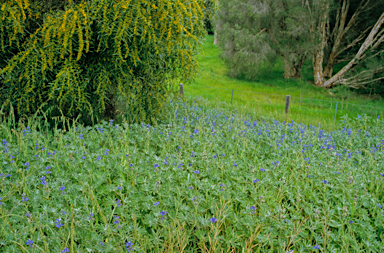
287, 101
182, 89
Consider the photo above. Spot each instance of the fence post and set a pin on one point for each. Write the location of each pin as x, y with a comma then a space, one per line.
182, 89
287, 102
336, 111
232, 96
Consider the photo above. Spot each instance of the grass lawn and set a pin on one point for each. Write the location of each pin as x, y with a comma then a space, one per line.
305, 105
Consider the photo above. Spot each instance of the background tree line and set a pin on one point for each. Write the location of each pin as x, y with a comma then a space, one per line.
342, 38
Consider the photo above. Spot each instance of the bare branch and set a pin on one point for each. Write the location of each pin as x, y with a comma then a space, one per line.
360, 84
265, 29
379, 40
360, 54
354, 42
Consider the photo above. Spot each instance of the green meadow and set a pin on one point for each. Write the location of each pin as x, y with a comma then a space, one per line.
309, 104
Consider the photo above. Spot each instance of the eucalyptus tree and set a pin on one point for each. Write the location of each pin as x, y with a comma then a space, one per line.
253, 33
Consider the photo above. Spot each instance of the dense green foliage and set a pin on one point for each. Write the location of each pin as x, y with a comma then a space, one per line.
79, 56
253, 34
209, 181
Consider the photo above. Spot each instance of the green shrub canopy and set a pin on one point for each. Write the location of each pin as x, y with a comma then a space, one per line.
76, 56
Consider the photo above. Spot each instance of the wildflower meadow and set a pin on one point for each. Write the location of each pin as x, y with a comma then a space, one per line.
207, 180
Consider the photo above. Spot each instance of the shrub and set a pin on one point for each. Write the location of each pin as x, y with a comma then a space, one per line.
75, 56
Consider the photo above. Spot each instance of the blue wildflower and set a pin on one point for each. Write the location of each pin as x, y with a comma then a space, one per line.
213, 220
129, 246
316, 247
58, 223
25, 199
156, 203
29, 242
196, 172
65, 250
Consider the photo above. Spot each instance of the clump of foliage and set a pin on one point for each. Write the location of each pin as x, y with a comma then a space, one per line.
210, 180
76, 56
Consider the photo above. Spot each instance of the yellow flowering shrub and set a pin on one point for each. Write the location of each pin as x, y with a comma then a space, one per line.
78, 56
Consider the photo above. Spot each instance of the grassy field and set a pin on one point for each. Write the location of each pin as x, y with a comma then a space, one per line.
208, 180
305, 104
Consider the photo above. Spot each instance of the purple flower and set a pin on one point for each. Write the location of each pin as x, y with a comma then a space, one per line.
156, 203
101, 243
156, 165
116, 221
58, 223
316, 247
63, 212
325, 182
119, 187
234, 164
81, 136
196, 172
129, 246
83, 157
163, 213
256, 181
253, 208
379, 205
213, 220
350, 222
65, 250
29, 243
190, 187
90, 216
27, 165
1, 202
62, 188
262, 170
99, 158
119, 202
25, 199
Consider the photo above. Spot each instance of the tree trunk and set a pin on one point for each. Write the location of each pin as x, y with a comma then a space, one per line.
292, 69
318, 54
328, 69
317, 62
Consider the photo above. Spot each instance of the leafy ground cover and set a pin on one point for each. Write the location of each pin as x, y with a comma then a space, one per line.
309, 104
209, 180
